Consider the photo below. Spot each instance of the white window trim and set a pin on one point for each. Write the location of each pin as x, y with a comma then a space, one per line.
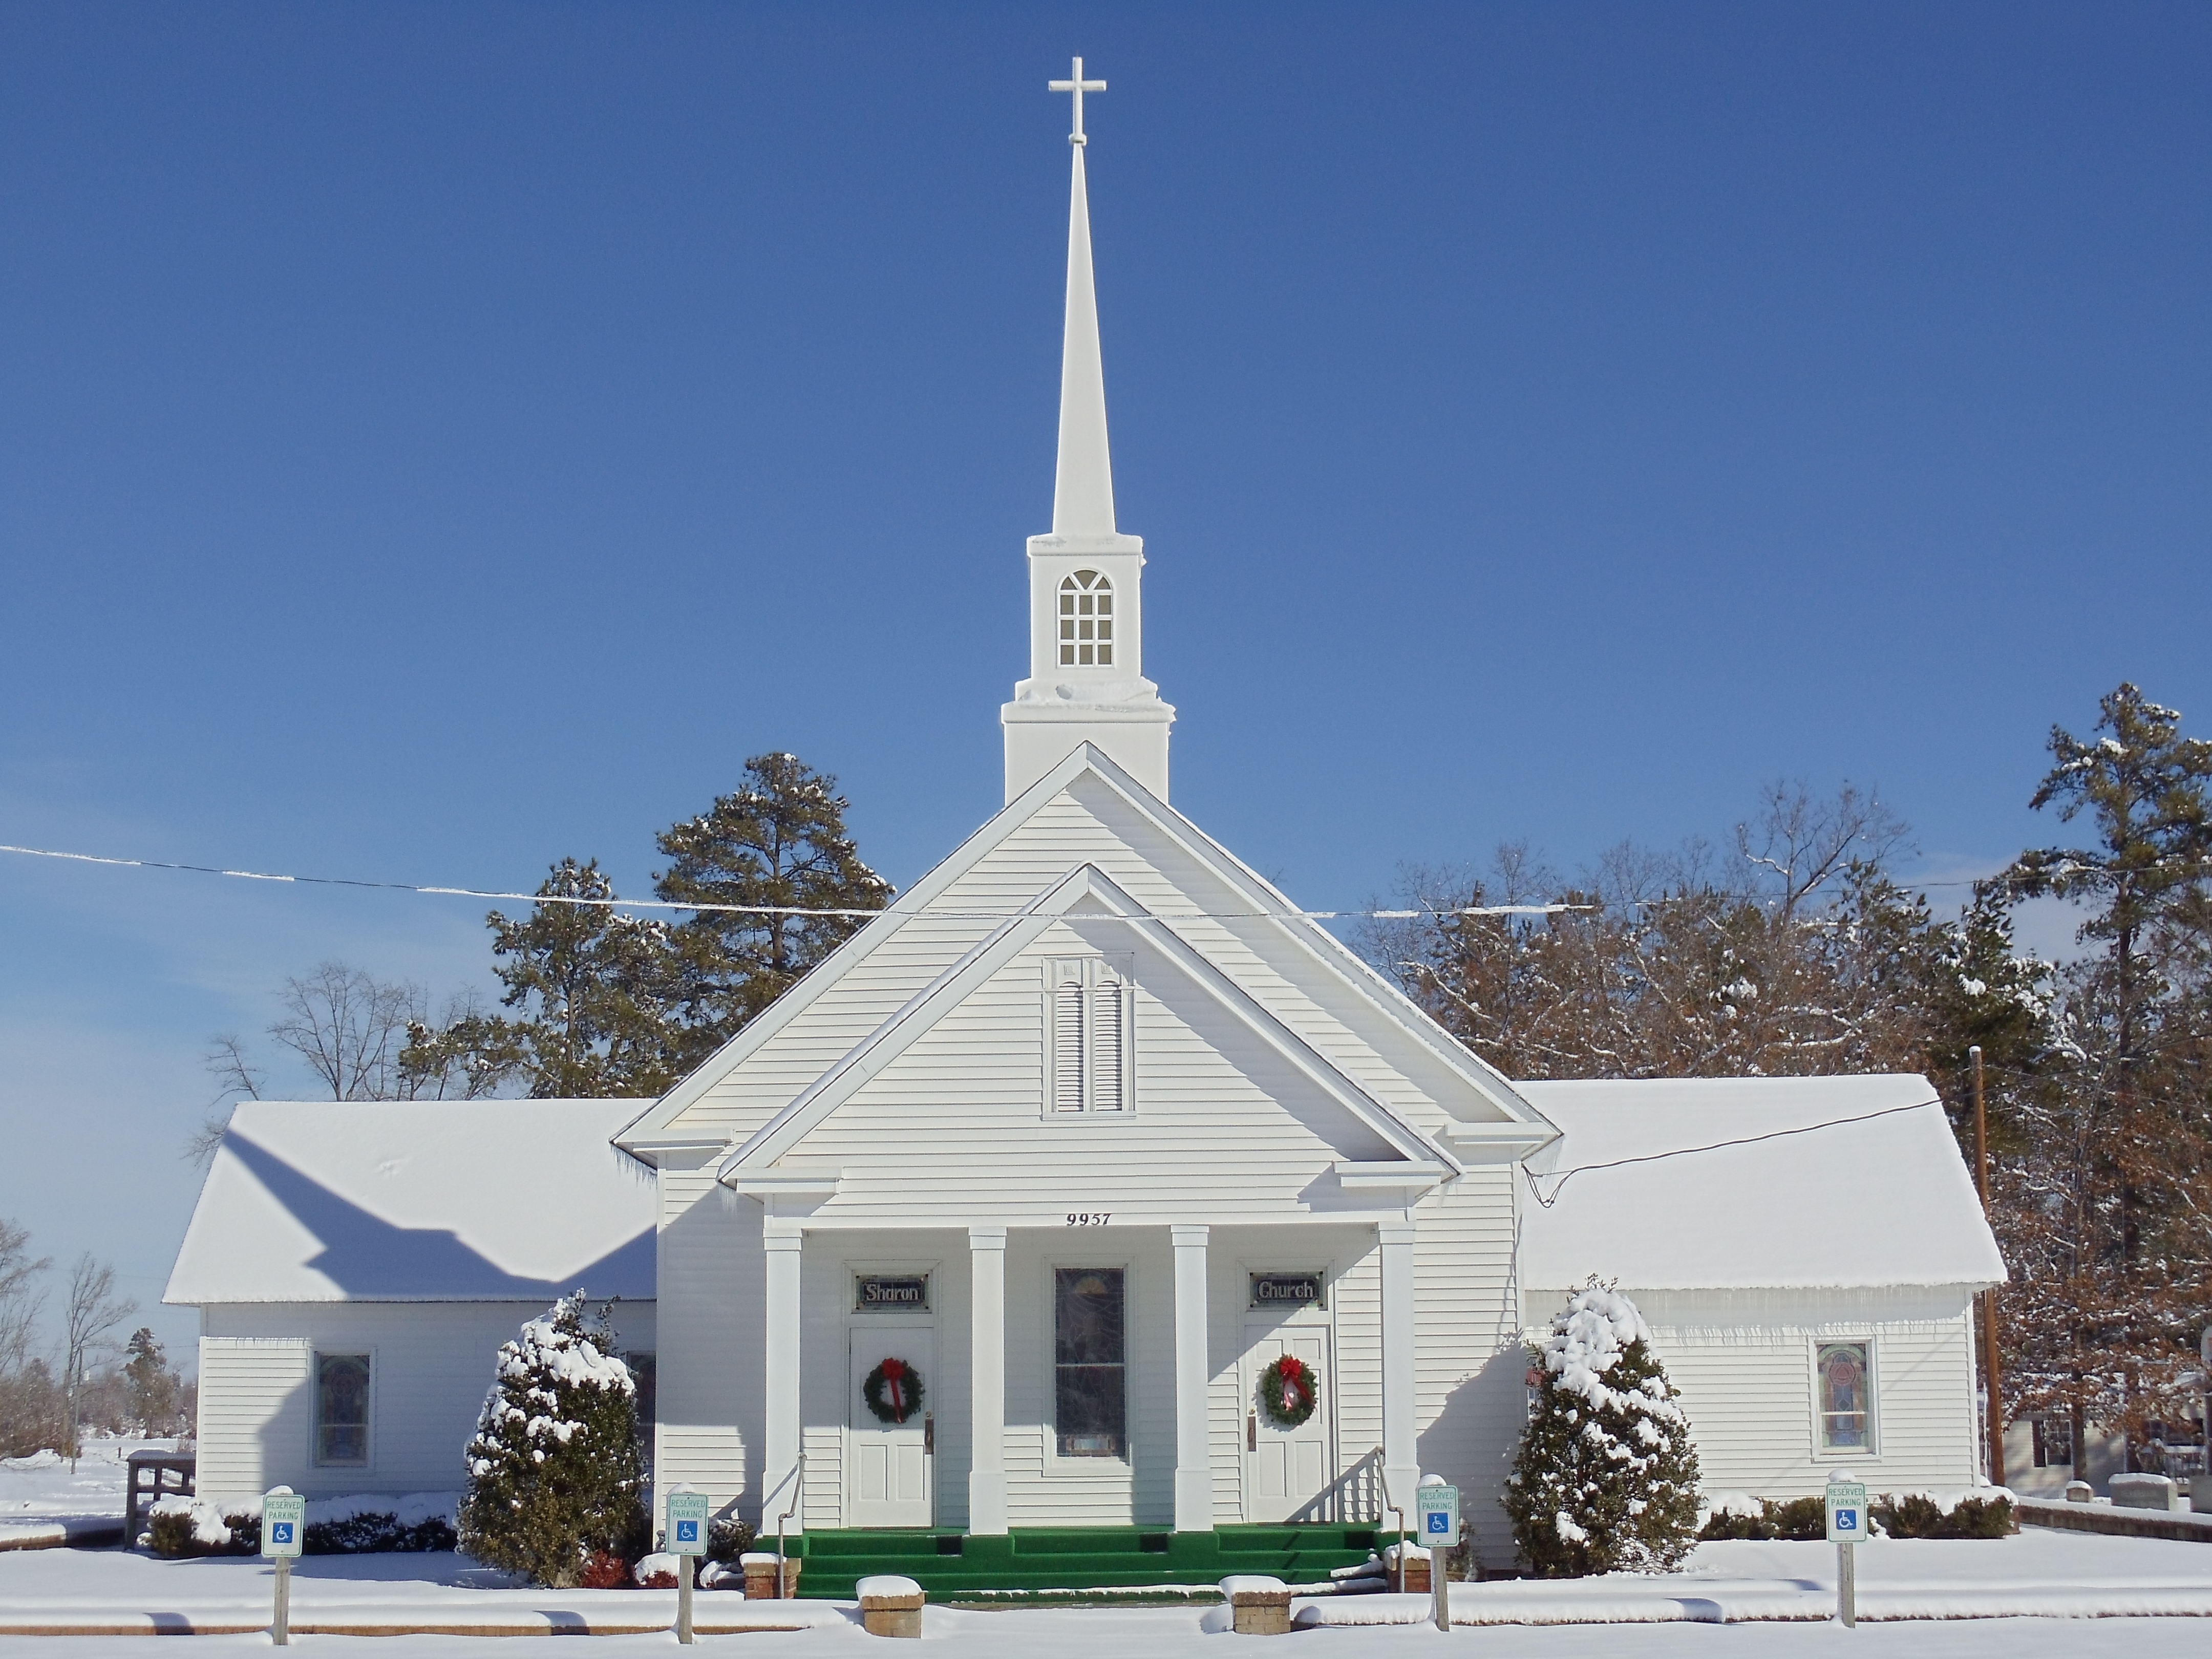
316, 1354
1122, 1470
1092, 972
1823, 1453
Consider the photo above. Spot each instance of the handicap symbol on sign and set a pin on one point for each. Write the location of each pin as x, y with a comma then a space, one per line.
282, 1531
1847, 1520
687, 1532
1439, 1522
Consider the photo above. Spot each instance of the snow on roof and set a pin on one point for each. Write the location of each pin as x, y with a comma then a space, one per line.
1885, 1201
419, 1202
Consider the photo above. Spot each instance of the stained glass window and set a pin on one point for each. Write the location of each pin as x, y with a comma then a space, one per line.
1090, 1363
341, 1409
1846, 1396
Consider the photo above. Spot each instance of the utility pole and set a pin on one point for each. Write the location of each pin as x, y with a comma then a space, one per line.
1990, 1371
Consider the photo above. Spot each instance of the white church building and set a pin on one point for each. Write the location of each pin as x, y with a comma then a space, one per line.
993, 1225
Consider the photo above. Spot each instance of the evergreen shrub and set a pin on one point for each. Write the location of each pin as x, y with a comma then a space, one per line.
556, 1485
1915, 1515
1797, 1519
1606, 1477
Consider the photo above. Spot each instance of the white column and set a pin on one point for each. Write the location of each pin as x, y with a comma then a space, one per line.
1402, 1470
1194, 1480
986, 1372
779, 1439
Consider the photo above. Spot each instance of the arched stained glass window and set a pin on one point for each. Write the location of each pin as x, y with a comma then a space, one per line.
1086, 621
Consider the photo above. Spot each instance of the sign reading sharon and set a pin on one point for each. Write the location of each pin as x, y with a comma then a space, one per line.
1287, 1290
890, 1292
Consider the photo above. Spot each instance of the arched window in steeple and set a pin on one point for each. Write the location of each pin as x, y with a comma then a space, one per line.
1086, 621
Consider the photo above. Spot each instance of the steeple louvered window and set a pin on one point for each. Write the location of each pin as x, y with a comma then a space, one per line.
1086, 621
1090, 1003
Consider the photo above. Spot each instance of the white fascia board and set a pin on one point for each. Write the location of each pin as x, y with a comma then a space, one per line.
785, 1183
1358, 1174
858, 948
890, 1039
1316, 1066
1499, 1143
788, 1127
1319, 944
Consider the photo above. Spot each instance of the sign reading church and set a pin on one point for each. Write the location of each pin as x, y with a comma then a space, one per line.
1091, 1184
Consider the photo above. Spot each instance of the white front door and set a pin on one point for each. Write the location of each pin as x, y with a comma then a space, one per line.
890, 1472
1289, 1472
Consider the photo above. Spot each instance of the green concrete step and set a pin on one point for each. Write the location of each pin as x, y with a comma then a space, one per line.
1032, 1559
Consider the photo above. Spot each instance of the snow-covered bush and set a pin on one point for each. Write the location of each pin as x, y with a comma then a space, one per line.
1925, 1514
1606, 1477
556, 1484
363, 1524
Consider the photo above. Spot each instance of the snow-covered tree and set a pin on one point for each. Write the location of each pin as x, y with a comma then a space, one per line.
554, 1477
1606, 1477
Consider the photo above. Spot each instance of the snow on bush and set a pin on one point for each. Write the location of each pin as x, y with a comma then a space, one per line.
1606, 1477
556, 1484
360, 1523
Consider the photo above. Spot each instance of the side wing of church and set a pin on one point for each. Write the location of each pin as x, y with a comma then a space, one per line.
1092, 1195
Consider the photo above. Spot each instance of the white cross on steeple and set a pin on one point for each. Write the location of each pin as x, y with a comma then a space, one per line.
1079, 86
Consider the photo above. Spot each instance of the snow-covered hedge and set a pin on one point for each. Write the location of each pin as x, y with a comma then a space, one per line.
364, 1524
1981, 1512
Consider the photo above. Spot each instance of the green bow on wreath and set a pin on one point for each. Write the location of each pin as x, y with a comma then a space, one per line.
893, 1391
1290, 1391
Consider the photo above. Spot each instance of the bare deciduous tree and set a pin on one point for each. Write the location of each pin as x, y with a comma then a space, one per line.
21, 1298
90, 1312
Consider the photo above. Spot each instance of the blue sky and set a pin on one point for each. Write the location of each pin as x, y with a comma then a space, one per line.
437, 438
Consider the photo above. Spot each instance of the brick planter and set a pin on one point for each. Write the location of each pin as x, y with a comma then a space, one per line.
890, 1605
1258, 1606
760, 1575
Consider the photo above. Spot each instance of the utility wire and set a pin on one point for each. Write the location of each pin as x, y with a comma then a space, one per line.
1565, 1176
783, 909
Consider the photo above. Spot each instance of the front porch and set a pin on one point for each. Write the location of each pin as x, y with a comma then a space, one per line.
948, 1565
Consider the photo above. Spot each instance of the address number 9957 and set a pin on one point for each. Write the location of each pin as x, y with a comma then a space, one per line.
1089, 1218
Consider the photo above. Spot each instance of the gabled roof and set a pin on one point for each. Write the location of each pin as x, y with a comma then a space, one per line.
1482, 1094
1089, 887
1813, 1183
419, 1202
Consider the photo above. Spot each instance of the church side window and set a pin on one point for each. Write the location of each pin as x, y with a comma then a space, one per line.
2054, 1443
1846, 1384
1086, 621
1090, 1416
1090, 1002
342, 1409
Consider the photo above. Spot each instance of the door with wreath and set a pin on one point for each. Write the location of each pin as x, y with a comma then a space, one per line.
1290, 1463
890, 1477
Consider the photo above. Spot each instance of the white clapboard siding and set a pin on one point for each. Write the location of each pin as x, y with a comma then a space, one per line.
712, 1279
1305, 980
1743, 1363
956, 1120
431, 1364
1473, 1358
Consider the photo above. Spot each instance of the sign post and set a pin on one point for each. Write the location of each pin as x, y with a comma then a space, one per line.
1847, 1525
687, 1542
1438, 1505
283, 1534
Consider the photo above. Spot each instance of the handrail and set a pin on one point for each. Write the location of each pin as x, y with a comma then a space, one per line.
1390, 1503
797, 1481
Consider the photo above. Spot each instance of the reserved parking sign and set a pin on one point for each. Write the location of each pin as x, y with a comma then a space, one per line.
1847, 1512
284, 1524
687, 1523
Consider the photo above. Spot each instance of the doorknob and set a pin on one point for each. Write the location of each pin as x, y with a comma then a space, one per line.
929, 1434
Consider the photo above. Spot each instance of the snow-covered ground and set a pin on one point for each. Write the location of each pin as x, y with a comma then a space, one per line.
1945, 1599
40, 1496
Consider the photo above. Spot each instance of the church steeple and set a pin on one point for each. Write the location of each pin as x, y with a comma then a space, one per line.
1086, 681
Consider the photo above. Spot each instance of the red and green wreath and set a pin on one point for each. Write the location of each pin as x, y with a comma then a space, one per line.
1290, 1390
893, 1391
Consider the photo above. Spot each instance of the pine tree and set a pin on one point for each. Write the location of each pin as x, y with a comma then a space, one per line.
150, 1386
778, 841
1607, 1478
554, 1476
